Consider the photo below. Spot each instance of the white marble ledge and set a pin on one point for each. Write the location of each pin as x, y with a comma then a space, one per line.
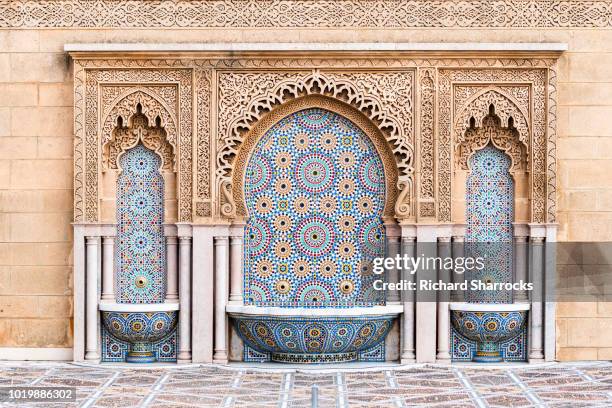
489, 307
343, 46
137, 307
314, 312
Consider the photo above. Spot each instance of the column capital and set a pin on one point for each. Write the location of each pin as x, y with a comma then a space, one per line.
444, 239
92, 239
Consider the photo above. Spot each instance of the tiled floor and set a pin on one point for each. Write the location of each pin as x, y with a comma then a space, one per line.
551, 385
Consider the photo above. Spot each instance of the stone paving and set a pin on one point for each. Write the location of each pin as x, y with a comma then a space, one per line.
548, 385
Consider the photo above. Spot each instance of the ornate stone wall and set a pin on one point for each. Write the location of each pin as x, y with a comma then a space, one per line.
428, 103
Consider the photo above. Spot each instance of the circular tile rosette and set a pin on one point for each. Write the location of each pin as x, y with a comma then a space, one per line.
314, 236
297, 339
315, 172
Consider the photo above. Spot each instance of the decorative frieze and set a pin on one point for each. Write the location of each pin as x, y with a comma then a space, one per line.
522, 14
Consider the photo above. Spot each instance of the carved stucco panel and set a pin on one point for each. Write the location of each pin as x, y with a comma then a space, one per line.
307, 14
427, 93
204, 164
137, 78
385, 97
515, 140
449, 111
122, 107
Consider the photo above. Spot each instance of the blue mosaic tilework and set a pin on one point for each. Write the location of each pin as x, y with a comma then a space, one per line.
374, 354
115, 350
313, 339
514, 349
490, 212
315, 191
140, 254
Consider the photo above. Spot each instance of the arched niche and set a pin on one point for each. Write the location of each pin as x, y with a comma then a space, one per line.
485, 127
140, 250
138, 119
314, 192
235, 191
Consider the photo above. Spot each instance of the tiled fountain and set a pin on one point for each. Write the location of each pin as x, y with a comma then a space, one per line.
315, 192
488, 327
139, 326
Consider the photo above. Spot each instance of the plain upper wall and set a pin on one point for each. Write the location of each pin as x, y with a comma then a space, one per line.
36, 169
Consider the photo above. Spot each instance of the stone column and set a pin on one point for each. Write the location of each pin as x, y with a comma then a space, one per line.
184, 350
171, 269
408, 249
458, 251
520, 266
444, 275
535, 314
91, 319
108, 278
203, 295
393, 249
236, 250
550, 287
426, 332
221, 289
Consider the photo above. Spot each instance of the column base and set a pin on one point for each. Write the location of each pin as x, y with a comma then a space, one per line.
220, 357
443, 356
408, 357
536, 358
92, 356
184, 357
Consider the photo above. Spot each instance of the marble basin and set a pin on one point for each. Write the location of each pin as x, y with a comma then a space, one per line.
297, 335
488, 325
140, 325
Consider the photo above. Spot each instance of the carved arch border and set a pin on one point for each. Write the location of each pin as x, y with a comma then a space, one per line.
125, 106
385, 97
505, 107
349, 112
541, 175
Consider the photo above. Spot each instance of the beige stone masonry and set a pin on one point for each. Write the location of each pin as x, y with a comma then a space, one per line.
36, 134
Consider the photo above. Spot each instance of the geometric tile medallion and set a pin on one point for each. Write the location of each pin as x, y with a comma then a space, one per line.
490, 212
140, 254
315, 192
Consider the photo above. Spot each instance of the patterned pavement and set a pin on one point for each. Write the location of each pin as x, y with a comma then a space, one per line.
466, 385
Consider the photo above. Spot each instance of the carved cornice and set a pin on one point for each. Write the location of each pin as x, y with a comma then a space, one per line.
523, 14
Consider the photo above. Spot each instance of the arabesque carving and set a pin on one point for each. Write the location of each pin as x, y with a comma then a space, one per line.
385, 97
427, 144
306, 13
138, 116
232, 192
143, 83
452, 120
506, 109
238, 91
490, 130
